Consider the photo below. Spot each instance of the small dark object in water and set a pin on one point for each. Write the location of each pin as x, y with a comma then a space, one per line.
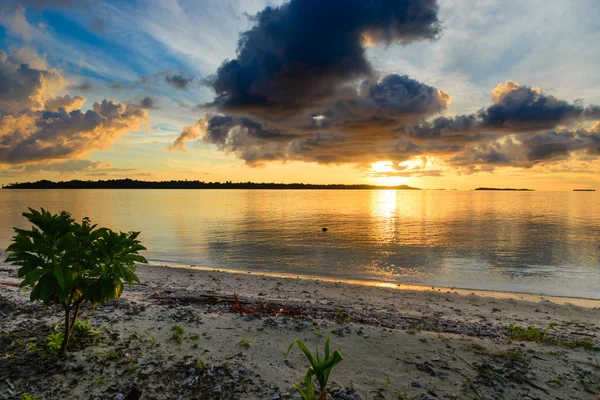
324, 229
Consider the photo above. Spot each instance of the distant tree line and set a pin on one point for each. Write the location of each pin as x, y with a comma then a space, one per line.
185, 184
513, 189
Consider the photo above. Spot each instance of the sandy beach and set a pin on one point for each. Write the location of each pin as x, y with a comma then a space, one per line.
397, 342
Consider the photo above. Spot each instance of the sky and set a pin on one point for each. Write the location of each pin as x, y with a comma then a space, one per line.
450, 94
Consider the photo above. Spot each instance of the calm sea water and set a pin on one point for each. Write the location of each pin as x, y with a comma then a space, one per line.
532, 242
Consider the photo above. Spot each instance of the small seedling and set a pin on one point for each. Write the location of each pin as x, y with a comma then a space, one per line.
343, 317
201, 367
177, 334
320, 368
245, 343
54, 342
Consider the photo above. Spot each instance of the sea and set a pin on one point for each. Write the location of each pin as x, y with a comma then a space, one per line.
542, 243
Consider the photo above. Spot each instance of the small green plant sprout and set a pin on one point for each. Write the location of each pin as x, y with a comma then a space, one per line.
201, 367
70, 263
245, 343
342, 317
320, 368
84, 329
28, 396
177, 334
54, 342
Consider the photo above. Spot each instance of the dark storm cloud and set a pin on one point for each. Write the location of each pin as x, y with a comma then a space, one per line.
552, 145
378, 124
387, 102
515, 108
301, 52
301, 89
180, 82
525, 108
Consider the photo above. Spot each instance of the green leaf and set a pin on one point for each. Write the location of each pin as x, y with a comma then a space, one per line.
63, 275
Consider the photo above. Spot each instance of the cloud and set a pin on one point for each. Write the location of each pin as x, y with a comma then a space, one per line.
379, 124
189, 133
299, 54
233, 134
37, 123
54, 3
180, 82
523, 108
301, 89
66, 102
64, 167
515, 108
48, 135
84, 86
25, 88
149, 103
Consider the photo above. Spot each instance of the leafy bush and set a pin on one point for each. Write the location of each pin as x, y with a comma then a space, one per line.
319, 368
69, 263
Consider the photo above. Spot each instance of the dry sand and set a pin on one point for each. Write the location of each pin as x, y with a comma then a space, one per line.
397, 342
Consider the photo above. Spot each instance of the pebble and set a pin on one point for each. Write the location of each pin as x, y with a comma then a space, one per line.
415, 383
119, 396
436, 358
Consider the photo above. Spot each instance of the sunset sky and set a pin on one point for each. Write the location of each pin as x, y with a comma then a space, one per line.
434, 94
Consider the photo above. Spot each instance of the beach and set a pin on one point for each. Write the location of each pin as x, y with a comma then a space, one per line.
397, 342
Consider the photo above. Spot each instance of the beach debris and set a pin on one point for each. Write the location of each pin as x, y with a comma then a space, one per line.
324, 229
191, 381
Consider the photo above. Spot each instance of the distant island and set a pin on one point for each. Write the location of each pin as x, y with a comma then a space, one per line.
135, 184
510, 189
584, 190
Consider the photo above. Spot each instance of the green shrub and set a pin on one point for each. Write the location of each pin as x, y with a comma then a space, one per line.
69, 263
320, 368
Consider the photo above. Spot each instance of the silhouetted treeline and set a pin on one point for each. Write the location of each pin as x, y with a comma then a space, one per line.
518, 190
135, 184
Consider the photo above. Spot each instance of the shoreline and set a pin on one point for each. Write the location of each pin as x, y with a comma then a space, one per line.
397, 344
502, 294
